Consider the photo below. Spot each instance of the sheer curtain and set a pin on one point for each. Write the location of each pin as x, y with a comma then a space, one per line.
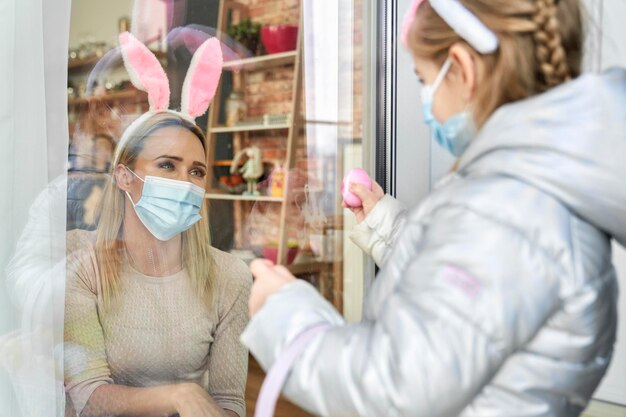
33, 155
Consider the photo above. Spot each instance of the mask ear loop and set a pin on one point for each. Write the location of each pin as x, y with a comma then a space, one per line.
133, 172
428, 91
140, 179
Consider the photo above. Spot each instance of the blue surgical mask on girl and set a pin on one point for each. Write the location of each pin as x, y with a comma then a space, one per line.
455, 134
167, 207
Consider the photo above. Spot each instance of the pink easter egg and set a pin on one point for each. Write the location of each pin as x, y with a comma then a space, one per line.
354, 176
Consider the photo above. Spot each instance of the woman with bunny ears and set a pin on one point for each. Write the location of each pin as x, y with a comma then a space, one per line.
153, 313
497, 295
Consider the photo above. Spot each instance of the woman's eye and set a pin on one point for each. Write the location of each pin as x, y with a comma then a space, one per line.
198, 172
166, 165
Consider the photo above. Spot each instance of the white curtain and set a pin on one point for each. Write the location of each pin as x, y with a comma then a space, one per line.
33, 154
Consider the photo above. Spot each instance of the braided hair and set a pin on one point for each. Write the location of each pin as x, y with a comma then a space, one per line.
551, 57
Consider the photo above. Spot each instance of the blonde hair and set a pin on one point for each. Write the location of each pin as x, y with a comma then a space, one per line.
110, 247
540, 47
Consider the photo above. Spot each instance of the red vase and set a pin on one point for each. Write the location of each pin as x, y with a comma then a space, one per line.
279, 38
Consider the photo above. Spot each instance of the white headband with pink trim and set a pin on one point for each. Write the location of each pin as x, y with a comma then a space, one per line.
464, 23
147, 74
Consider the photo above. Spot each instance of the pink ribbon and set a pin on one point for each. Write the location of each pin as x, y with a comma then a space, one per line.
278, 373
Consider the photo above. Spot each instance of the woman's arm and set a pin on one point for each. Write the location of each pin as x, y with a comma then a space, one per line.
85, 360
87, 375
119, 400
186, 400
228, 358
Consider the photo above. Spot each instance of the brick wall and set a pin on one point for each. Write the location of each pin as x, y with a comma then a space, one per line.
270, 92
274, 12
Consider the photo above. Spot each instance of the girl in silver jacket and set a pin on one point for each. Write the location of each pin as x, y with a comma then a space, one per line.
496, 295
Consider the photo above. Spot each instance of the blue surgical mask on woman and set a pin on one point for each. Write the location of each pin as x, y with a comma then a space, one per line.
455, 134
167, 207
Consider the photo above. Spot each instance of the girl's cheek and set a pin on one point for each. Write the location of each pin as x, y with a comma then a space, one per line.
446, 104
440, 108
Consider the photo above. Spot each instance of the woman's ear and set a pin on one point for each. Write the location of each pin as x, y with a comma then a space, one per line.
464, 67
122, 177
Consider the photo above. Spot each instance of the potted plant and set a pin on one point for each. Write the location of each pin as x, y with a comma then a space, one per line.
247, 34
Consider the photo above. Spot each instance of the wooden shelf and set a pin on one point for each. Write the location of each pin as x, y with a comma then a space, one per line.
289, 127
84, 63
78, 63
249, 128
262, 62
223, 163
239, 197
121, 95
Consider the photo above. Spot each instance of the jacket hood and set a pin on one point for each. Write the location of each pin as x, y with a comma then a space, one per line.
569, 142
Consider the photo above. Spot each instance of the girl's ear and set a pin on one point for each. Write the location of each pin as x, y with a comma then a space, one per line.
146, 72
122, 177
202, 78
465, 70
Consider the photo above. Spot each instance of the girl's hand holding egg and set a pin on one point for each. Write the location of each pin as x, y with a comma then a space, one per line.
360, 193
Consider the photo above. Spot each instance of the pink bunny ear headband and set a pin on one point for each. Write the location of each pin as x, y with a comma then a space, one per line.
464, 23
147, 74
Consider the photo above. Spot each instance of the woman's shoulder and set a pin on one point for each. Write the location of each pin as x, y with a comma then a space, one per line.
82, 270
233, 282
78, 239
230, 269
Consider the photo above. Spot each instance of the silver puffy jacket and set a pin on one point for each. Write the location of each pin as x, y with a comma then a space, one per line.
496, 296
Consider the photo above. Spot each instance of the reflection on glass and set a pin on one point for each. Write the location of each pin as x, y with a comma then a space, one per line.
285, 125
303, 109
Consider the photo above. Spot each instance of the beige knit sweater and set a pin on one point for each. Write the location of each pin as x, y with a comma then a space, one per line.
158, 333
